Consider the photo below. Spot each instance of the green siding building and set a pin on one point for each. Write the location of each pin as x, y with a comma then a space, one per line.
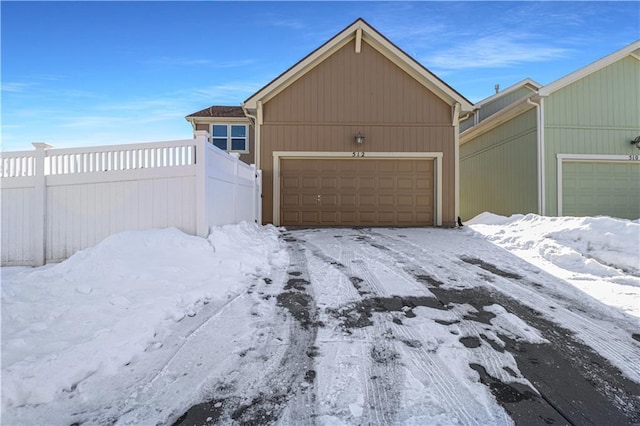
564, 149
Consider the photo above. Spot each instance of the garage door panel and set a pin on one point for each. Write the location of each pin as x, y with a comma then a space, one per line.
386, 200
290, 200
290, 183
348, 182
329, 200
601, 188
366, 192
424, 202
308, 200
329, 183
291, 216
386, 217
405, 166
309, 182
407, 183
386, 183
405, 201
366, 183
348, 200
309, 217
423, 183
367, 200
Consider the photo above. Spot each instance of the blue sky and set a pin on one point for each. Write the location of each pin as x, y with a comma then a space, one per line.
98, 73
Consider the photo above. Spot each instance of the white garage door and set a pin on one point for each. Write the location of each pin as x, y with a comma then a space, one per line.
601, 188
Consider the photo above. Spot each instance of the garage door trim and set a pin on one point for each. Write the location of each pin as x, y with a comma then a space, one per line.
584, 158
284, 155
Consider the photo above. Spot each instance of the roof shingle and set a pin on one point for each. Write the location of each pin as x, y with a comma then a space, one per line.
219, 111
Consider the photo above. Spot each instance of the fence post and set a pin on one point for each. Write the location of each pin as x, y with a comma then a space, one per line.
236, 184
39, 243
202, 216
257, 196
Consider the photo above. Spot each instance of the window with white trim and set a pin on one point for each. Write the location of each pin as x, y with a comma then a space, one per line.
230, 137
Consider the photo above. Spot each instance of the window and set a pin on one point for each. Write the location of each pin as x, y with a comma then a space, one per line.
230, 137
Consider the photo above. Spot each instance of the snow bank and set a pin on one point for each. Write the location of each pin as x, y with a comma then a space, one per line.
600, 255
104, 306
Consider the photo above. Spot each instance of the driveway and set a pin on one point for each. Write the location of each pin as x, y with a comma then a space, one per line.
416, 326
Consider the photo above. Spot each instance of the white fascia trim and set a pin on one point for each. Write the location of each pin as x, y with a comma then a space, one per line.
518, 107
293, 74
601, 158
631, 49
456, 156
542, 154
283, 155
221, 120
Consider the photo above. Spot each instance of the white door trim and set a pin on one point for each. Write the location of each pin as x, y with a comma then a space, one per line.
283, 155
600, 158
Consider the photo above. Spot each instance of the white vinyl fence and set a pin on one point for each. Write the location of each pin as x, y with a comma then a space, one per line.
55, 202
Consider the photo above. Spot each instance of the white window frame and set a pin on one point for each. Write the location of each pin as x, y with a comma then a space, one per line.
229, 137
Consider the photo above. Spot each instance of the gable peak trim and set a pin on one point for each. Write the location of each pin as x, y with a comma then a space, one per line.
359, 28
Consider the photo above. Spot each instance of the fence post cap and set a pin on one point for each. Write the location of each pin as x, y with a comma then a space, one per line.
41, 145
197, 134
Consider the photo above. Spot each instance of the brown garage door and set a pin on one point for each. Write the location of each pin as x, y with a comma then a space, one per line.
356, 192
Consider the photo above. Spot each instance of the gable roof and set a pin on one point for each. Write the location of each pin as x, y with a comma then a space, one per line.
523, 104
360, 30
218, 111
527, 82
632, 49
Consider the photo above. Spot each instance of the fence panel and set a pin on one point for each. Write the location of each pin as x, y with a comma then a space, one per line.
58, 201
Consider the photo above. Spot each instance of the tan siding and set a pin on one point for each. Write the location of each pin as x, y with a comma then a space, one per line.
357, 88
350, 93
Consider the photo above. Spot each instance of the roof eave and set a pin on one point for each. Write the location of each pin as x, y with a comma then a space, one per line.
534, 85
517, 108
632, 49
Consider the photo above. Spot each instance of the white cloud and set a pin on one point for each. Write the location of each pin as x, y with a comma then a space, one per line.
197, 62
500, 50
14, 87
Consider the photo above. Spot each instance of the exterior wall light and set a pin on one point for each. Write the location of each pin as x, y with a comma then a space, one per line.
636, 142
360, 138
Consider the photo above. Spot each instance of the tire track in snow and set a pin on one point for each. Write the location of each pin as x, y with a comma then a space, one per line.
432, 370
271, 381
458, 402
584, 362
382, 372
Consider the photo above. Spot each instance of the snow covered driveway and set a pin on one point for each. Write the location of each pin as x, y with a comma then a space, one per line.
428, 326
258, 325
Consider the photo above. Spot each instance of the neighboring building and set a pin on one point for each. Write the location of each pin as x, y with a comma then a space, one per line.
404, 171
562, 149
229, 129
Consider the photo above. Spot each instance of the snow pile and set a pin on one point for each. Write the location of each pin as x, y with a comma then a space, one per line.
599, 255
106, 305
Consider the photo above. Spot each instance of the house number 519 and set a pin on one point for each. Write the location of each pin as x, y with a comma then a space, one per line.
357, 154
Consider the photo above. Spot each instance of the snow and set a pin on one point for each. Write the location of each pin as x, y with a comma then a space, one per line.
109, 304
598, 255
106, 335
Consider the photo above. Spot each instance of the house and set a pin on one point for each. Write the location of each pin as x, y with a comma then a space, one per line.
357, 133
228, 128
564, 149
